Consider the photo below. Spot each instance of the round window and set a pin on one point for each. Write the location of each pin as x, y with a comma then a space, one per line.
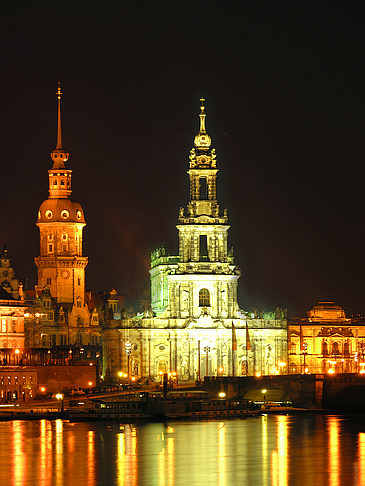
78, 214
64, 214
49, 214
161, 348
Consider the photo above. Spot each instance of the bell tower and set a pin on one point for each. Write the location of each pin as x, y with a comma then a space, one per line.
203, 279
61, 265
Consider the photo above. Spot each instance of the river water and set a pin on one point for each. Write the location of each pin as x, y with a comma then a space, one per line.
272, 450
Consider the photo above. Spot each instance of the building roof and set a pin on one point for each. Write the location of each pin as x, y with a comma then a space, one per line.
4, 295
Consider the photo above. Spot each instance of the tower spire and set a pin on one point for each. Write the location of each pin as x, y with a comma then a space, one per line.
202, 115
58, 155
59, 129
202, 139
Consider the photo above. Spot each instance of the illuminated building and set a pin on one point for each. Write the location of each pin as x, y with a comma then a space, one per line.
17, 384
195, 326
8, 280
59, 314
326, 341
11, 328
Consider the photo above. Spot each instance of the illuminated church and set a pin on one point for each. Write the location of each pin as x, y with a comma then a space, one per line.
195, 327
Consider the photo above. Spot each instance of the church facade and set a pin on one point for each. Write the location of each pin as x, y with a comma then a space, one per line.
195, 327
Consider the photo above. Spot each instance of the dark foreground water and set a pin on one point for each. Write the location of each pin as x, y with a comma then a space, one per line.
267, 450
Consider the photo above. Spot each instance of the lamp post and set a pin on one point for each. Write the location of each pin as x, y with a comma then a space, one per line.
264, 393
59, 397
128, 349
305, 347
206, 349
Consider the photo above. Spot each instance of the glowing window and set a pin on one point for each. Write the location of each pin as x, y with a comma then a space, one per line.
204, 298
324, 348
335, 348
64, 214
49, 214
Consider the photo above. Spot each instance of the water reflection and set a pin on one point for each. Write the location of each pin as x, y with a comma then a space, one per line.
267, 450
361, 460
334, 450
279, 458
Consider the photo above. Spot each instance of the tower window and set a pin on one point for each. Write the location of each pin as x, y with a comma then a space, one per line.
203, 247
62, 183
204, 298
79, 281
64, 247
50, 248
55, 183
203, 189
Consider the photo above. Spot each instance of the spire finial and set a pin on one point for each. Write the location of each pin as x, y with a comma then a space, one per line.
202, 140
58, 155
59, 130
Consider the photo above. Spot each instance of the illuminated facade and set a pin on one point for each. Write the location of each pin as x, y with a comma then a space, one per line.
326, 341
8, 280
195, 326
59, 314
11, 328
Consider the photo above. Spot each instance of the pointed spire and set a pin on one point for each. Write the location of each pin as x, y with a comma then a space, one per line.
59, 130
58, 155
202, 139
202, 115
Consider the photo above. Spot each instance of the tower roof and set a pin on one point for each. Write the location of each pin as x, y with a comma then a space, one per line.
58, 155
202, 139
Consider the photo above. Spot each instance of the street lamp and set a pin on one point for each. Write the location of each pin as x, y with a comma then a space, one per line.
128, 349
59, 397
305, 347
264, 393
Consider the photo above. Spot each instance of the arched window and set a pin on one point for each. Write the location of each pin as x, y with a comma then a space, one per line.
335, 348
346, 349
204, 298
324, 348
293, 348
162, 366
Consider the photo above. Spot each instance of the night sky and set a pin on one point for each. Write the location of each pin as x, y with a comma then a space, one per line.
285, 110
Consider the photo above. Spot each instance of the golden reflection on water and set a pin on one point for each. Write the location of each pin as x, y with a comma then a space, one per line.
59, 453
221, 454
19, 458
334, 450
127, 460
267, 451
279, 457
361, 459
265, 475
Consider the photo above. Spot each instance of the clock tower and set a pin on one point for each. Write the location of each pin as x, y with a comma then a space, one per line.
61, 265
